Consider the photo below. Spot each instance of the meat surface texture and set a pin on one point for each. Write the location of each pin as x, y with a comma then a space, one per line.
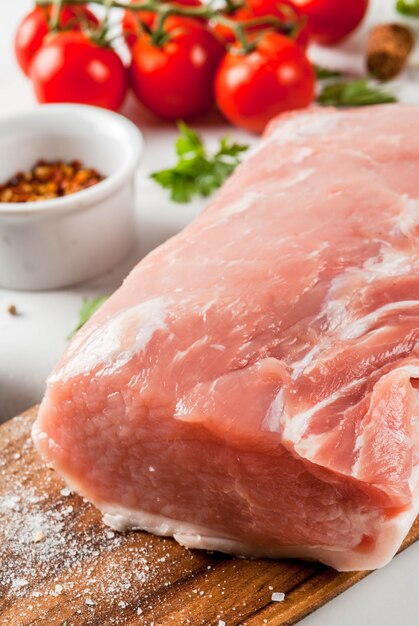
253, 386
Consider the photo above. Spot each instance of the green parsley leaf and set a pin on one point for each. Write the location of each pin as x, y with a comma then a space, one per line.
196, 172
88, 307
188, 143
355, 93
324, 73
408, 7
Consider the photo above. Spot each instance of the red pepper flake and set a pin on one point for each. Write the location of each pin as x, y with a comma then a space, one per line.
47, 180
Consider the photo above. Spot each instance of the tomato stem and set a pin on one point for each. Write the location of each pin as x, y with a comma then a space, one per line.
239, 30
289, 27
158, 34
232, 6
296, 22
55, 15
146, 5
101, 35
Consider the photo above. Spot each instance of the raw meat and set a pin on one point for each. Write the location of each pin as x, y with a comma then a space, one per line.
253, 385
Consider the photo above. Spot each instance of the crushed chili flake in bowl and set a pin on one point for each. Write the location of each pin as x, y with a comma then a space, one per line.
60, 240
47, 180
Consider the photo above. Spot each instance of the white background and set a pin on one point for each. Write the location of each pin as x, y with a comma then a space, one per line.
31, 343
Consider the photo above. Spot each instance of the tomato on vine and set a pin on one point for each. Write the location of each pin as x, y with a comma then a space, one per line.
172, 72
286, 11
274, 76
131, 20
179, 66
35, 26
70, 67
294, 23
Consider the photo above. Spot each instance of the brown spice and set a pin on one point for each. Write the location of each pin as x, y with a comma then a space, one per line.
12, 310
48, 179
389, 46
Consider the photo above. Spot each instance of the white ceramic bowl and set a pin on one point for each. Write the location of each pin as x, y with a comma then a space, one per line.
59, 242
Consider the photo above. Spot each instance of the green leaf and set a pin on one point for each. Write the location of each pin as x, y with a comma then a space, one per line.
188, 142
87, 309
196, 172
354, 93
408, 7
324, 73
230, 149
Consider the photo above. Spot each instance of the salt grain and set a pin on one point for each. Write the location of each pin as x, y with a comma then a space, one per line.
57, 590
9, 503
18, 583
38, 536
65, 492
278, 596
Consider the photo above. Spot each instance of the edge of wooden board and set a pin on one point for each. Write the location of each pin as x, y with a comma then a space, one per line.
192, 588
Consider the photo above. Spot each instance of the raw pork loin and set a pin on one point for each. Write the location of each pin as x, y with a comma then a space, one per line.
253, 385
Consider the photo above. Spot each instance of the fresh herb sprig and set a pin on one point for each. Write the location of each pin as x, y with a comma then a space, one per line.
88, 307
408, 7
196, 172
354, 93
324, 73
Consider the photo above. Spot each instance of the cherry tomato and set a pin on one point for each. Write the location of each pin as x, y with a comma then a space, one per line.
131, 27
130, 20
176, 79
275, 77
330, 21
71, 68
284, 10
33, 29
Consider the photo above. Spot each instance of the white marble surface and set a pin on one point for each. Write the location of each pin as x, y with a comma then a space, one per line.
31, 342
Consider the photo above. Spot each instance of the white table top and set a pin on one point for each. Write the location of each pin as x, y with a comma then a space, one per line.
31, 343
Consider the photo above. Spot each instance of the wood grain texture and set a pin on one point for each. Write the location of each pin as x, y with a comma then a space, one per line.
60, 565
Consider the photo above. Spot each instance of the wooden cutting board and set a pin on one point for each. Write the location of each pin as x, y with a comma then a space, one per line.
60, 565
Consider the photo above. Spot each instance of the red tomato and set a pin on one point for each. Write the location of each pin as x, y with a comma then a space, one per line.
71, 68
275, 77
130, 27
330, 21
176, 80
284, 10
224, 33
34, 28
130, 20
